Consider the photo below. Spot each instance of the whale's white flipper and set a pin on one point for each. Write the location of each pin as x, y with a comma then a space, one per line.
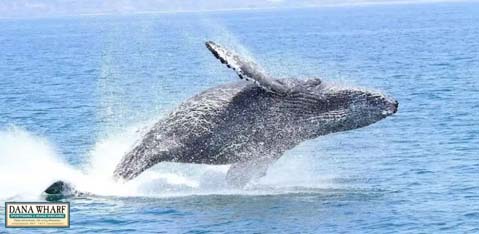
247, 70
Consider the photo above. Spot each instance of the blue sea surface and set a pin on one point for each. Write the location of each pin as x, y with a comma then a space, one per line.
71, 86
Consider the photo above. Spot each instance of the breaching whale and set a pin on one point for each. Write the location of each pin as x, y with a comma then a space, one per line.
250, 124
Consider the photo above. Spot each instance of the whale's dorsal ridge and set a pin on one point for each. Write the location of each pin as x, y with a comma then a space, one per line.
246, 69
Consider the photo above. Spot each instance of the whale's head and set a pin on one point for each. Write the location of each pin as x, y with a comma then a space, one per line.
325, 108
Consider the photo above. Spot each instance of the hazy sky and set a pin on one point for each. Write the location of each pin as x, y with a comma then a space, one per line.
39, 8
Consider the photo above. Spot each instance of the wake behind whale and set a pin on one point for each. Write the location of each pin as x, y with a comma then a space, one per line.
249, 124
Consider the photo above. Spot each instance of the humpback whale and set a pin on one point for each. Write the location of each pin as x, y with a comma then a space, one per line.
251, 123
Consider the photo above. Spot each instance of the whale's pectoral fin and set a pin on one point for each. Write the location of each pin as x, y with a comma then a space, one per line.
247, 70
239, 174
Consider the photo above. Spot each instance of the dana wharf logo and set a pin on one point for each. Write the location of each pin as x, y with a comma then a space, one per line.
37, 214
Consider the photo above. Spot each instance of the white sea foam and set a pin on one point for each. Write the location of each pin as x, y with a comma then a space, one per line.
29, 164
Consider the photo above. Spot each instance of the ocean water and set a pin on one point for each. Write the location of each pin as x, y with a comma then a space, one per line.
77, 92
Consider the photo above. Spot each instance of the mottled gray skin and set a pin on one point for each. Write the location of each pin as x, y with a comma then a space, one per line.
241, 122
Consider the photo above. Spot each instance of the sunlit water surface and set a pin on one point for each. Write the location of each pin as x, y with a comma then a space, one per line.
77, 92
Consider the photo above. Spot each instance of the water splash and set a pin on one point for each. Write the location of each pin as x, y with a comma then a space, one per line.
29, 164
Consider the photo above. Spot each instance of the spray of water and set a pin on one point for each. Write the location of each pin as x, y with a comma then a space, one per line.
29, 163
